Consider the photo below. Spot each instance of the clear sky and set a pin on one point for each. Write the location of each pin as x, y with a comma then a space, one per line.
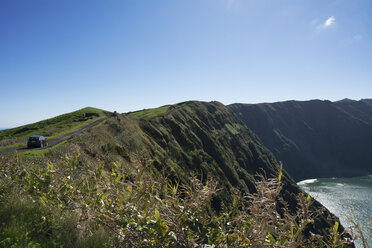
59, 56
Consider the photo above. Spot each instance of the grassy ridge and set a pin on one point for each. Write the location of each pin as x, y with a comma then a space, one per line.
50, 128
130, 183
59, 123
148, 113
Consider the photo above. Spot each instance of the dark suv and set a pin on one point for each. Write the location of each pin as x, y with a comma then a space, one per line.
37, 141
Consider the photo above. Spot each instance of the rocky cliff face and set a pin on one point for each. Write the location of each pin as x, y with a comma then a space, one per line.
314, 138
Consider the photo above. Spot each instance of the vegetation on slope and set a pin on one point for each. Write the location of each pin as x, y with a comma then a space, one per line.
53, 127
203, 138
74, 204
314, 138
200, 137
148, 113
135, 183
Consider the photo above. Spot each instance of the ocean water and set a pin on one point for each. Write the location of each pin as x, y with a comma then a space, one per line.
345, 197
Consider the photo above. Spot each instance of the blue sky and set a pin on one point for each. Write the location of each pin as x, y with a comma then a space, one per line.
60, 56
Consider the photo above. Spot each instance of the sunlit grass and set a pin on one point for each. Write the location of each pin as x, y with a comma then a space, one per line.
38, 153
74, 127
128, 207
16, 145
148, 113
53, 127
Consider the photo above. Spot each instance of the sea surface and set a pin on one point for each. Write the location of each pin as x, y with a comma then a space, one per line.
345, 197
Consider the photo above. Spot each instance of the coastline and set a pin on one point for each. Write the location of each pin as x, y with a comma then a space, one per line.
345, 198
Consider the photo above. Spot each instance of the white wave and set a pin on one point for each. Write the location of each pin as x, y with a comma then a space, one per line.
307, 181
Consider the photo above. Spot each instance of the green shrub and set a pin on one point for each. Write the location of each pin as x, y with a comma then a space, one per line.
68, 205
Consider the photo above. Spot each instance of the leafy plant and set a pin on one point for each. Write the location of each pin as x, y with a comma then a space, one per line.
70, 205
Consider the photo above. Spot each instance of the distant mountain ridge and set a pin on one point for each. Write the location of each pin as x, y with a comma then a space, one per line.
314, 138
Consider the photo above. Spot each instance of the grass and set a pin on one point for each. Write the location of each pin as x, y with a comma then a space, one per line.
65, 131
16, 145
39, 153
74, 127
136, 206
148, 113
73, 204
49, 128
103, 122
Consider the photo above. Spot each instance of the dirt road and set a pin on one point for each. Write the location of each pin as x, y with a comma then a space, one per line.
55, 141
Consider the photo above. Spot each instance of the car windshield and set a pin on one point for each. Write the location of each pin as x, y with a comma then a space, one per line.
34, 139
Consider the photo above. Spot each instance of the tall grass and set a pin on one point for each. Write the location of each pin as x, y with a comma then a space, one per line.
72, 204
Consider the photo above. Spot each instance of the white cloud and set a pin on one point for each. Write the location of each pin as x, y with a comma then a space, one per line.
320, 25
329, 22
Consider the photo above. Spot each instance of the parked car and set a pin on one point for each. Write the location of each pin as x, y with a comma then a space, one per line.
37, 141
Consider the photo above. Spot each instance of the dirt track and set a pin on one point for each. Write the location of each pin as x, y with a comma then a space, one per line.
55, 141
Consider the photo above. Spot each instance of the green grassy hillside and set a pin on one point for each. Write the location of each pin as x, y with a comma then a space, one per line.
49, 128
148, 113
188, 137
191, 176
206, 139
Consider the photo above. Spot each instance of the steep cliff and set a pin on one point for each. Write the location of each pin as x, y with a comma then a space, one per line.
314, 138
120, 179
203, 138
206, 139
